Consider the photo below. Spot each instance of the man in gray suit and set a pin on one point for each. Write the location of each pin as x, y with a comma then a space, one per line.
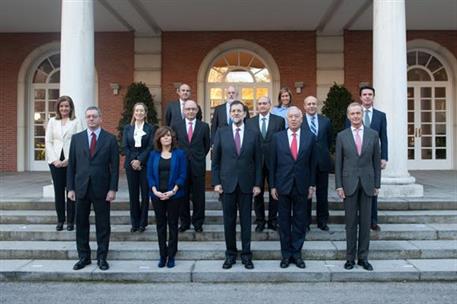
357, 180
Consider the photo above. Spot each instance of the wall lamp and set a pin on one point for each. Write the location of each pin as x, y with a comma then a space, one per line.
115, 87
299, 86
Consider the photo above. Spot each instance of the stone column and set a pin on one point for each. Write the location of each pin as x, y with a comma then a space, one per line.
77, 75
390, 82
77, 68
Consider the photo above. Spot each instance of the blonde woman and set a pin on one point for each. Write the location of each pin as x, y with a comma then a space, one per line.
59, 131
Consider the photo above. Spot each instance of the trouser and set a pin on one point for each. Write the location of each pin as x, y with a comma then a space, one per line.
259, 203
231, 202
102, 224
292, 222
138, 184
167, 213
322, 213
59, 180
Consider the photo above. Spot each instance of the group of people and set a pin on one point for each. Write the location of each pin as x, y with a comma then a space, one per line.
281, 147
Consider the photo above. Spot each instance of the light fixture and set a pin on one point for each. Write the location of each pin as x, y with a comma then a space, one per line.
115, 87
298, 86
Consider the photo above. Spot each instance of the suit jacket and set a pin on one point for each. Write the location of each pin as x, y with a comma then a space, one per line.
140, 153
276, 123
229, 169
323, 142
220, 118
178, 172
56, 141
379, 124
350, 168
285, 171
102, 170
173, 113
198, 148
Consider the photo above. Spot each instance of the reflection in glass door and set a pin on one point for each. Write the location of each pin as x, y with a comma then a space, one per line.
428, 134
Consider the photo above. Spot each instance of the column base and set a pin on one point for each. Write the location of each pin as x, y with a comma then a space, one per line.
48, 191
400, 187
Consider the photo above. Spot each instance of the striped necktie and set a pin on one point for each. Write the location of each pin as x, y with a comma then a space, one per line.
313, 125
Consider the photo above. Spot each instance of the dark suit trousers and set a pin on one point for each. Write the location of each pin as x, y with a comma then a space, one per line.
259, 203
196, 194
59, 180
374, 210
102, 224
138, 183
292, 220
167, 213
321, 200
231, 202
357, 209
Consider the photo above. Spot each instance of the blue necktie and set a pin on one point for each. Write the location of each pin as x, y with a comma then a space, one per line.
313, 125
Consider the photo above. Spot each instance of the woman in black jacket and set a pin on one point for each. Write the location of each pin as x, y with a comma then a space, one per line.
138, 141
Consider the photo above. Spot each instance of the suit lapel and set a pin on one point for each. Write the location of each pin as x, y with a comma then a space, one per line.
284, 142
197, 129
351, 141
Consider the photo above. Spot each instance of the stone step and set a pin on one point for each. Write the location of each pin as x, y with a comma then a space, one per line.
208, 250
213, 204
122, 217
210, 271
43, 232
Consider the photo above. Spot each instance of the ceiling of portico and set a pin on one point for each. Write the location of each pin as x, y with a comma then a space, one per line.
149, 17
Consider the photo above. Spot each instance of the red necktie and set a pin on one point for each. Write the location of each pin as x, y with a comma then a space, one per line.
189, 132
93, 144
293, 146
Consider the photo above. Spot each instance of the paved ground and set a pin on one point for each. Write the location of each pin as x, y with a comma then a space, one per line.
437, 184
404, 293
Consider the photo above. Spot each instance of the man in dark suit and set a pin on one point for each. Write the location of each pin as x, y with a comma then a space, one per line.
357, 180
193, 138
265, 124
292, 181
376, 120
237, 175
92, 175
321, 128
221, 115
175, 109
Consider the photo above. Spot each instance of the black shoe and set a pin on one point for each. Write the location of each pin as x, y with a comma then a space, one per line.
349, 265
260, 227
365, 265
70, 227
183, 228
133, 229
300, 263
323, 227
375, 227
284, 263
162, 262
273, 226
59, 227
81, 264
103, 264
198, 229
171, 262
141, 229
248, 264
307, 228
228, 263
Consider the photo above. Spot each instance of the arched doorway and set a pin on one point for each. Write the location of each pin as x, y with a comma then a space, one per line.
45, 84
429, 112
245, 71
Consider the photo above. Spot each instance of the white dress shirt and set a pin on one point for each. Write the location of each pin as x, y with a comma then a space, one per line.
193, 125
267, 121
138, 133
360, 133
89, 134
370, 113
316, 121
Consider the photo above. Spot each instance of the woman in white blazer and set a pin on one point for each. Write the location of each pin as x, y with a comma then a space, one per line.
59, 131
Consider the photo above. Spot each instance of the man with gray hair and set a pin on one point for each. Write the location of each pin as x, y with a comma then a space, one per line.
357, 180
93, 175
292, 182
